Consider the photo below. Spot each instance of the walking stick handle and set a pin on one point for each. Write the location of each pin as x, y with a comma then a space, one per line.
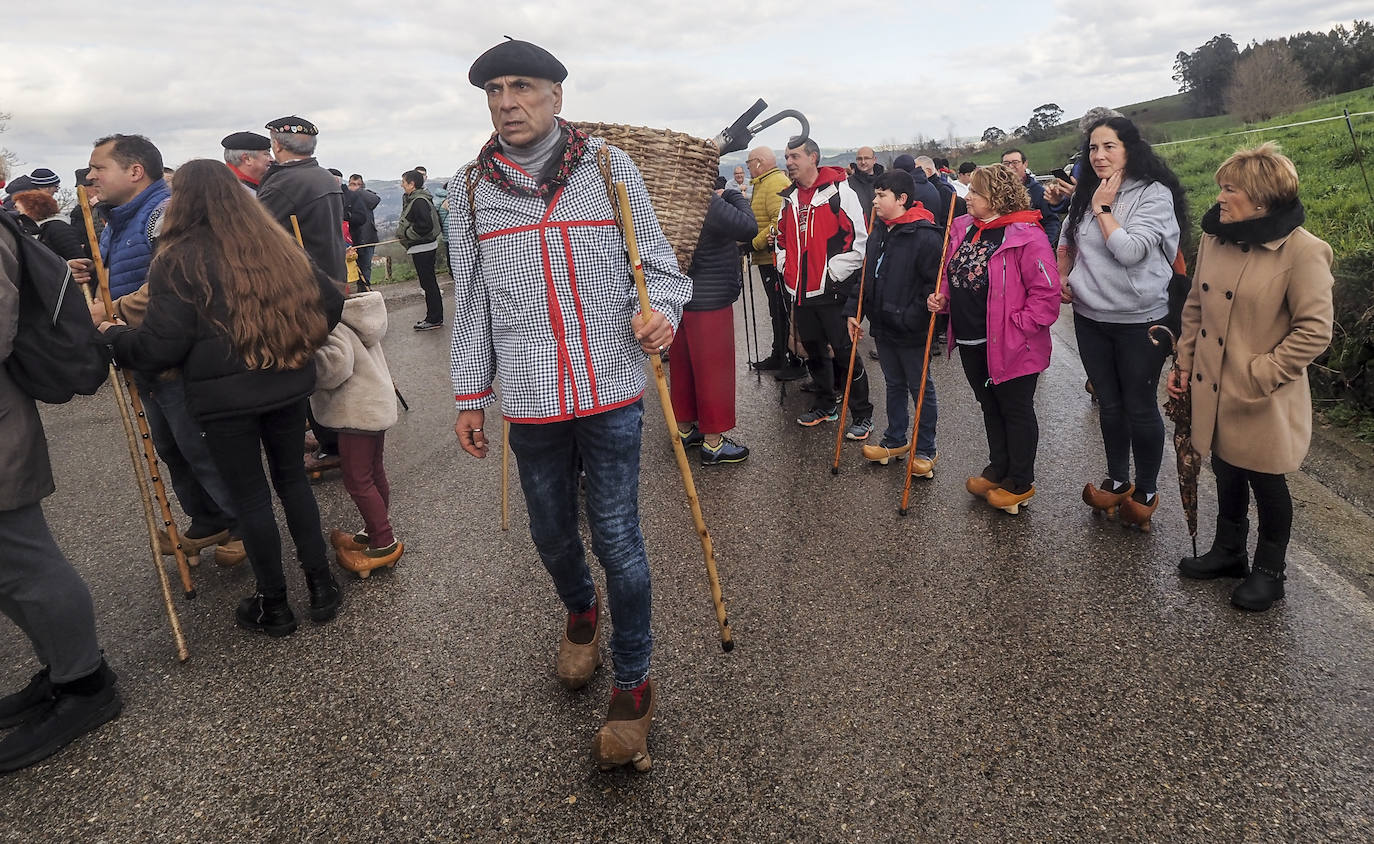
102, 275
627, 227
296, 227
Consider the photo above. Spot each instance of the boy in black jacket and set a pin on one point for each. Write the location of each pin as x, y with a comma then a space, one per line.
901, 270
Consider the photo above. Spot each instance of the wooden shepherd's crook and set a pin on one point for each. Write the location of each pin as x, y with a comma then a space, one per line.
627, 227
124, 400
925, 366
853, 350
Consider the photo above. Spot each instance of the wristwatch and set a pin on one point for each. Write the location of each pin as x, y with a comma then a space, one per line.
1105, 209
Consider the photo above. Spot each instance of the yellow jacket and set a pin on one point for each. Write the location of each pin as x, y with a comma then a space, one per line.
767, 204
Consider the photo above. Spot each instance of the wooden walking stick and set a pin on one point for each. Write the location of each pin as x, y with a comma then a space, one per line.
505, 475
853, 350
122, 399
627, 227
925, 366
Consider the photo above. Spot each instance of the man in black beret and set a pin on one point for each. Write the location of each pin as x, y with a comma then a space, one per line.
249, 155
296, 185
546, 304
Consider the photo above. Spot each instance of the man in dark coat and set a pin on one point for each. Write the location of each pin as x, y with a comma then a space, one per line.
363, 224
296, 185
861, 180
1049, 220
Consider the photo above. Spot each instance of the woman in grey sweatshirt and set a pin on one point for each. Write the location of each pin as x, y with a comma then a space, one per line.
1116, 254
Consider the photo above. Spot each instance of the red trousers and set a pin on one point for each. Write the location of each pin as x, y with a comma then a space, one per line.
364, 476
702, 361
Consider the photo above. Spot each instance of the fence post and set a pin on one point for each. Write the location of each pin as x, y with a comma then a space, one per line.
1359, 159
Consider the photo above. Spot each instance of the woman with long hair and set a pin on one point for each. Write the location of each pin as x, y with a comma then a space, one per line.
1116, 253
1002, 295
236, 304
1262, 292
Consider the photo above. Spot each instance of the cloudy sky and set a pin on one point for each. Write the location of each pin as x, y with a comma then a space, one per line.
387, 83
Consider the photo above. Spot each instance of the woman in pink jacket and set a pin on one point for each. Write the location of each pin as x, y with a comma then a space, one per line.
1002, 293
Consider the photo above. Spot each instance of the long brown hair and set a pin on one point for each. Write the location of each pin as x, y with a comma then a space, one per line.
213, 227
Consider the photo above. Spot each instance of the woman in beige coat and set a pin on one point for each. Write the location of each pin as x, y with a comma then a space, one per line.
1259, 312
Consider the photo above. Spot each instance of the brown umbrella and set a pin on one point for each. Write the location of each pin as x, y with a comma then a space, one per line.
1180, 410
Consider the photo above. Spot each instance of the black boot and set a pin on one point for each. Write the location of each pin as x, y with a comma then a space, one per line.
325, 594
16, 708
272, 616
1264, 586
1227, 558
75, 709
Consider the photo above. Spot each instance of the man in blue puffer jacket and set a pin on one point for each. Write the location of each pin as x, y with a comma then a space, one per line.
127, 170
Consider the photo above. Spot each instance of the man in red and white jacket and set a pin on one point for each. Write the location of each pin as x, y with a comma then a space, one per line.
544, 302
821, 239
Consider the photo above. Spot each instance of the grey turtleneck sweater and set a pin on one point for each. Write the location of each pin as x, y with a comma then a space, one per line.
535, 157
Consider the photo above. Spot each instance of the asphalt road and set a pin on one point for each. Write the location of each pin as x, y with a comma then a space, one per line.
958, 674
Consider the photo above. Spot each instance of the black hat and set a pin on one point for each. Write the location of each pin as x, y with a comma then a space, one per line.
516, 58
292, 124
904, 162
250, 141
45, 178
20, 184
338, 173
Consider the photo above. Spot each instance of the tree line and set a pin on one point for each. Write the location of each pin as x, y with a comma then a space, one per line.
1273, 76
1264, 79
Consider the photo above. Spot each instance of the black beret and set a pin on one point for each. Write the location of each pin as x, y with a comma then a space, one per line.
516, 58
251, 141
292, 124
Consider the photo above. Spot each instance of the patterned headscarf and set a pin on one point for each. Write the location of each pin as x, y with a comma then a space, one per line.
574, 146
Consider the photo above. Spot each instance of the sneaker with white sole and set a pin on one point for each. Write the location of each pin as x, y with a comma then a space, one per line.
817, 415
859, 429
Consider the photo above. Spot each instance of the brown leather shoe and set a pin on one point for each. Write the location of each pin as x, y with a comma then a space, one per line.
230, 553
363, 562
342, 539
624, 740
1009, 502
924, 467
882, 455
1101, 499
1135, 513
579, 654
981, 485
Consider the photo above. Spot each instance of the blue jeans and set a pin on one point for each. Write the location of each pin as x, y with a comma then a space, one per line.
1124, 367
180, 444
901, 367
365, 263
608, 447
237, 444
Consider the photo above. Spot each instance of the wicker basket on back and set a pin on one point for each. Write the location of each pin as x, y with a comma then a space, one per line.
679, 171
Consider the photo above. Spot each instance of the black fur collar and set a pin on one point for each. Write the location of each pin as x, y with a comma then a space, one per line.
1273, 226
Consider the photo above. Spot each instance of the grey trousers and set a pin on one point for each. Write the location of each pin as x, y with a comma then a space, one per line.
44, 595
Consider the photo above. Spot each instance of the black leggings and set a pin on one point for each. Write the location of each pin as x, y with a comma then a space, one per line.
1272, 500
237, 444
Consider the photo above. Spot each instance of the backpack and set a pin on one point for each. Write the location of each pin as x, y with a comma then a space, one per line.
57, 352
